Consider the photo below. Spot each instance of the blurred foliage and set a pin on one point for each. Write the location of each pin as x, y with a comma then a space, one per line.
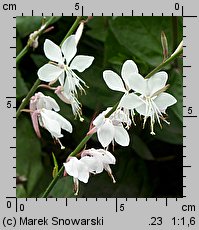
152, 165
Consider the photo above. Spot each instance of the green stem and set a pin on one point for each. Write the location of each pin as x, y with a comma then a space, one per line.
22, 53
27, 98
163, 64
72, 29
53, 182
112, 110
37, 83
27, 47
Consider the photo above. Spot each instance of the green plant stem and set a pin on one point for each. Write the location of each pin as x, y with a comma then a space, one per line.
86, 138
37, 83
53, 182
27, 98
163, 64
27, 47
72, 29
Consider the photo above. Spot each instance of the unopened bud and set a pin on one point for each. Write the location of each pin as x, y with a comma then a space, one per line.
179, 48
33, 40
79, 32
164, 45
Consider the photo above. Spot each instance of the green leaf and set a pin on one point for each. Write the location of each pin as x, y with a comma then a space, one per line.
55, 169
141, 36
28, 24
21, 89
39, 59
28, 162
116, 55
98, 28
20, 191
63, 188
176, 89
172, 133
19, 45
141, 148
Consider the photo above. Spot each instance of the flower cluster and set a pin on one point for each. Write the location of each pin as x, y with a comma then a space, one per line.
146, 97
92, 161
43, 111
111, 129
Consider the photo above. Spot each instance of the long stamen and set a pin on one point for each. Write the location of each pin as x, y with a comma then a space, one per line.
132, 116
156, 110
62, 147
147, 111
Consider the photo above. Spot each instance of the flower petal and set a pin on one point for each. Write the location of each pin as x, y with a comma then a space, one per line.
121, 135
156, 82
49, 72
99, 120
105, 133
51, 125
94, 165
34, 117
52, 51
130, 101
164, 100
69, 48
137, 83
105, 156
77, 169
128, 69
142, 110
47, 102
81, 62
113, 81
63, 123
71, 167
61, 78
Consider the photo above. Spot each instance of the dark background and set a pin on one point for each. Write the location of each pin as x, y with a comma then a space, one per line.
151, 166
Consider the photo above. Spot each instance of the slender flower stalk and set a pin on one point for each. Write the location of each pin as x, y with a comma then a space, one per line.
38, 81
86, 138
176, 54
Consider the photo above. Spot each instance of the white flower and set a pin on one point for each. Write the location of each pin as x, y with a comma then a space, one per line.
62, 65
153, 100
37, 102
97, 160
111, 129
41, 107
124, 83
92, 161
78, 170
54, 122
